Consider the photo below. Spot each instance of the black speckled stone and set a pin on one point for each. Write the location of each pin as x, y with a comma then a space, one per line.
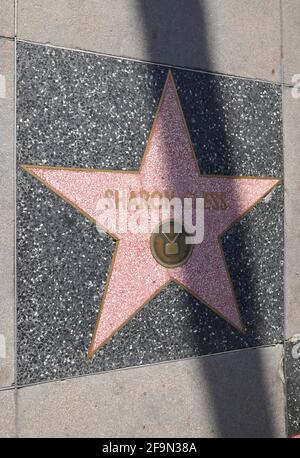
84, 110
292, 373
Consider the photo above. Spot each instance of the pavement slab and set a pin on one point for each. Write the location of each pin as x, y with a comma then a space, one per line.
100, 117
7, 414
7, 213
292, 372
291, 36
238, 37
215, 396
7, 18
291, 119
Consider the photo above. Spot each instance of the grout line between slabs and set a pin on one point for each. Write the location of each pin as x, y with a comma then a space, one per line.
3, 37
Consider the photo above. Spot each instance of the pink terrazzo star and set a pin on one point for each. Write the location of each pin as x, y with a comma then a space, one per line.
169, 164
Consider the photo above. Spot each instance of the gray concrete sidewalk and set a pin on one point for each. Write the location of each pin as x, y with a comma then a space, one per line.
164, 400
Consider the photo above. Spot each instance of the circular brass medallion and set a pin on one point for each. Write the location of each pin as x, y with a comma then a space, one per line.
168, 245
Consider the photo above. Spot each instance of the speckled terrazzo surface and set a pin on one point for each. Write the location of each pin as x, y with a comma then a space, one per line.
83, 110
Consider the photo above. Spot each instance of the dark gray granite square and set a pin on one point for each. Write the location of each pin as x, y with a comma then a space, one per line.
77, 109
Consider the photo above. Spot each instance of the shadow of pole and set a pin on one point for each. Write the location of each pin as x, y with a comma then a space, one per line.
175, 32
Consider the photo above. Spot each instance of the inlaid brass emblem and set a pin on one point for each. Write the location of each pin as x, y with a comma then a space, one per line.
168, 244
